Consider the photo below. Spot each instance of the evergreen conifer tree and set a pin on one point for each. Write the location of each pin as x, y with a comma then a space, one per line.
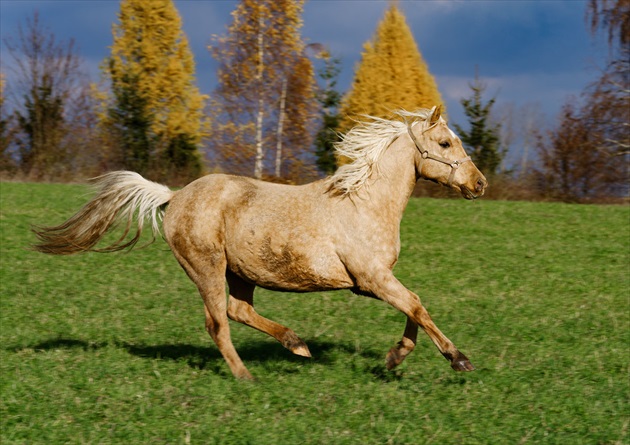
6, 163
329, 99
482, 140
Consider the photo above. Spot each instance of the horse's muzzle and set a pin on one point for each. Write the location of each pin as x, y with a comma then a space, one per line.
476, 191
480, 186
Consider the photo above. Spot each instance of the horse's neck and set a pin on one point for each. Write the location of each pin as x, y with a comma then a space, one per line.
393, 181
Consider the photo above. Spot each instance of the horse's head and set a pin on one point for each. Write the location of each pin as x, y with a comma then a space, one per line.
440, 157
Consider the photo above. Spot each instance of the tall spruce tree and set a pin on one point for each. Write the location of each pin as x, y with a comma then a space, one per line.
266, 93
391, 75
7, 162
155, 109
329, 99
482, 140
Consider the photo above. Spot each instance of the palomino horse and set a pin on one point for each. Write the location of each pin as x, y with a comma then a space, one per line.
341, 232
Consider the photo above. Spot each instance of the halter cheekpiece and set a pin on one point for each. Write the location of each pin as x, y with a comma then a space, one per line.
426, 155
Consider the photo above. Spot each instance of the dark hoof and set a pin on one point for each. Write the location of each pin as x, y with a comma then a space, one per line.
459, 362
393, 359
462, 365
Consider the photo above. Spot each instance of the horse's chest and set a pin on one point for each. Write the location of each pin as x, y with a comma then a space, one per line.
380, 243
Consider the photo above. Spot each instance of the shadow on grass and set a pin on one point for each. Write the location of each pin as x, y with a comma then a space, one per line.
59, 343
207, 357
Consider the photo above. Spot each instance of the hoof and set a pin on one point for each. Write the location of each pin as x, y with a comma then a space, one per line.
244, 375
295, 344
462, 365
301, 350
459, 362
393, 359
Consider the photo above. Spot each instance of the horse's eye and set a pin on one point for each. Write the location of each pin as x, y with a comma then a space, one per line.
445, 144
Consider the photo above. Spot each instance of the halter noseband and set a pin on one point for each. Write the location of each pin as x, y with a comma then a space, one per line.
426, 155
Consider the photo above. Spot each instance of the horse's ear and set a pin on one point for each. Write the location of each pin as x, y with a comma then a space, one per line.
435, 116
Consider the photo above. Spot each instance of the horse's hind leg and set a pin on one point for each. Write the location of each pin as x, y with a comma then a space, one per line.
218, 327
241, 309
207, 271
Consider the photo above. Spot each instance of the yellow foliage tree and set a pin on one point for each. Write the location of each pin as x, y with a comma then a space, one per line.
265, 102
391, 74
155, 107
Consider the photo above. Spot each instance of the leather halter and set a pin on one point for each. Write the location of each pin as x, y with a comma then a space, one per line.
426, 155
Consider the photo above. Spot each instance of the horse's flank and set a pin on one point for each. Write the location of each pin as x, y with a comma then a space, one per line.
278, 236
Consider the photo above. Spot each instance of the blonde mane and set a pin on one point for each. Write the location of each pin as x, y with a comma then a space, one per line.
364, 145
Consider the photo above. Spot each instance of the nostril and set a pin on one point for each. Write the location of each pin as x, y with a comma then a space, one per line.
481, 184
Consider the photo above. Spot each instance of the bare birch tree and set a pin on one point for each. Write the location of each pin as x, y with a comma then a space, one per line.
266, 90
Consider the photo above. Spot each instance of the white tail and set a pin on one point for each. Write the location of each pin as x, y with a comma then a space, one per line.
120, 196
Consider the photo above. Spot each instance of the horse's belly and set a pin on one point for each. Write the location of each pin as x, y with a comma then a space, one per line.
290, 270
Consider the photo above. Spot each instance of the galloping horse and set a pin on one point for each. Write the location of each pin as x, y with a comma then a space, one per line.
341, 232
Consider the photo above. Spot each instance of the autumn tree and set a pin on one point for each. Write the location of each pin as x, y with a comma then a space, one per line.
154, 109
264, 105
608, 98
45, 74
481, 140
391, 74
613, 17
572, 168
588, 155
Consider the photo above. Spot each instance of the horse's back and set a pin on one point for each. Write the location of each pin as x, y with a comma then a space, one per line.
239, 196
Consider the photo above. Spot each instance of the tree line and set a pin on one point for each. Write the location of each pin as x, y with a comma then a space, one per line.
276, 112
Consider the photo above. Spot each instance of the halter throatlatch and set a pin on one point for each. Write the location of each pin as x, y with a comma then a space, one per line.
426, 155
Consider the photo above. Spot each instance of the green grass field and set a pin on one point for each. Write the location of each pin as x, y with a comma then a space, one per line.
110, 348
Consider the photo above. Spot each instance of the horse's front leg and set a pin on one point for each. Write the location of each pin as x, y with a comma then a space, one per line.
383, 285
403, 348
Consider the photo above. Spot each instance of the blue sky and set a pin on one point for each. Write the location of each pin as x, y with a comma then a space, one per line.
527, 52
